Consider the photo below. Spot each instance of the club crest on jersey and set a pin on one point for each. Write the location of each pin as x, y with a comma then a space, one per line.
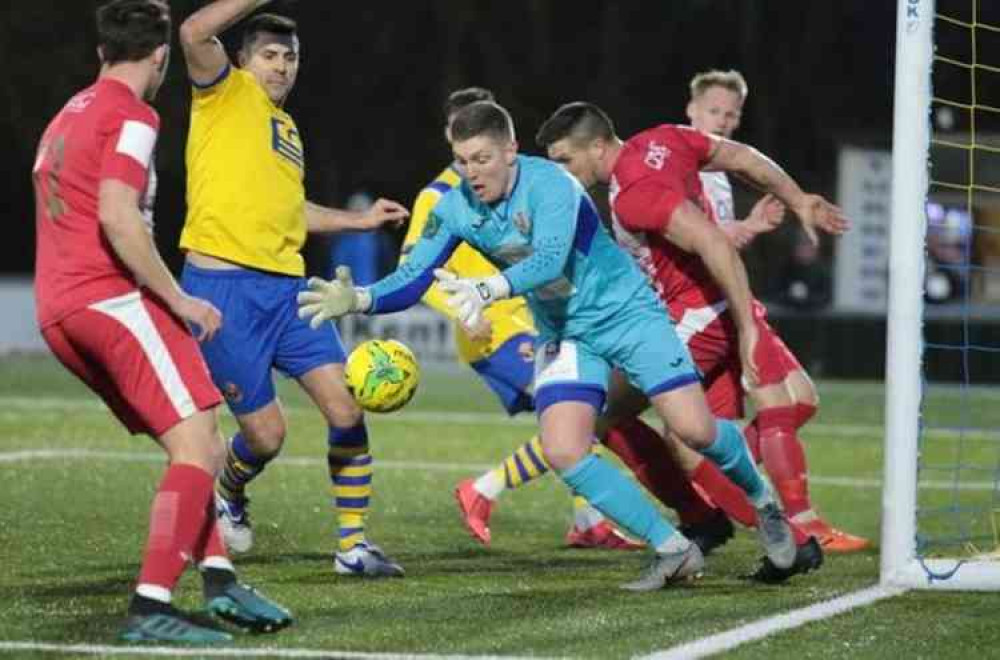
286, 142
432, 226
522, 223
656, 155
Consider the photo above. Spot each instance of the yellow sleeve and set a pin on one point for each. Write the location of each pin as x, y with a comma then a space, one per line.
434, 297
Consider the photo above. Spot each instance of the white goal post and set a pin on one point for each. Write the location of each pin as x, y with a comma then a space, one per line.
900, 564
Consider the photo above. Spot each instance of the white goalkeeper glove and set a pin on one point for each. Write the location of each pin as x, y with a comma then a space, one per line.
470, 296
325, 301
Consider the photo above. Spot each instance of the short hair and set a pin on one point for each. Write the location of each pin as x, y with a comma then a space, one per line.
579, 121
732, 80
463, 97
482, 118
130, 30
266, 23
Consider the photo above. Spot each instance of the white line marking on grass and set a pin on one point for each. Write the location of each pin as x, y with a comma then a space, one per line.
757, 630
31, 405
169, 651
27, 455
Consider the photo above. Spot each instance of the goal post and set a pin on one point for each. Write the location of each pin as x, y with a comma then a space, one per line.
902, 563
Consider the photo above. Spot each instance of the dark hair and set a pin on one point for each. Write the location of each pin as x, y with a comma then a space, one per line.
266, 23
130, 30
579, 120
463, 97
482, 118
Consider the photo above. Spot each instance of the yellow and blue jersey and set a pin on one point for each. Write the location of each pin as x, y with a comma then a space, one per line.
509, 318
245, 169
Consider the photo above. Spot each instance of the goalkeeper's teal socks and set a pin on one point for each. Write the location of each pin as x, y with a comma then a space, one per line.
618, 498
730, 453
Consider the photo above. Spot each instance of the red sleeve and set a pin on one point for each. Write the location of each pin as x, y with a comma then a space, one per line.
647, 205
700, 144
128, 148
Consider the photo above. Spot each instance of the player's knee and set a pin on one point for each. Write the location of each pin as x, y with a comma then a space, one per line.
697, 433
343, 412
266, 436
562, 455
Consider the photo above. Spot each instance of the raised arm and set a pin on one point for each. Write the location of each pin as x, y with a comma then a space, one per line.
203, 52
814, 212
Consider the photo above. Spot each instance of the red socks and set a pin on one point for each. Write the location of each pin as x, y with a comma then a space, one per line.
784, 457
643, 450
724, 493
180, 511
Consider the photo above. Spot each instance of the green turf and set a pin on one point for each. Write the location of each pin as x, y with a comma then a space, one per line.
71, 531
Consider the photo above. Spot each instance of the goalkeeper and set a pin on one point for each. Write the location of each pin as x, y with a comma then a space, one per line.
595, 313
500, 349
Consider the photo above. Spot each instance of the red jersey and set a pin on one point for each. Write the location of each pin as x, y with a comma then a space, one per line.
657, 170
104, 132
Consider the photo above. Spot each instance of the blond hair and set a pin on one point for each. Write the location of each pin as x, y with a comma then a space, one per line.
732, 80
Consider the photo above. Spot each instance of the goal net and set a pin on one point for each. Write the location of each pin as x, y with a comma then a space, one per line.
941, 502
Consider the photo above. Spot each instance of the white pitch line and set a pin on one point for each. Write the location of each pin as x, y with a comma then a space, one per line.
29, 404
25, 455
713, 644
169, 651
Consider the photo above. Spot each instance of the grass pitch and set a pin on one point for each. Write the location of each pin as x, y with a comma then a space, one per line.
73, 519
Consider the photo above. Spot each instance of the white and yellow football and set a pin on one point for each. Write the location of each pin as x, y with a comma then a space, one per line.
382, 375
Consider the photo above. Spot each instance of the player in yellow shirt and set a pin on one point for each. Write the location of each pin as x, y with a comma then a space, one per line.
500, 350
247, 221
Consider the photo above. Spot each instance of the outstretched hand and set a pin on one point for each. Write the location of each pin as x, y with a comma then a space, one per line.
383, 211
817, 214
325, 301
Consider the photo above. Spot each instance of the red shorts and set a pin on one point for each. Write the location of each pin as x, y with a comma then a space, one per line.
711, 337
139, 358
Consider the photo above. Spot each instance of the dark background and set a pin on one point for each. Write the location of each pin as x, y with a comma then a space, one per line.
374, 74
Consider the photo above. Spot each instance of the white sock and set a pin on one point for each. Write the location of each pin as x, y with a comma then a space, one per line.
219, 562
154, 592
806, 516
490, 484
586, 516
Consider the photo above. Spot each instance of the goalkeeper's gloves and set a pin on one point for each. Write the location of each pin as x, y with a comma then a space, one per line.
325, 301
470, 296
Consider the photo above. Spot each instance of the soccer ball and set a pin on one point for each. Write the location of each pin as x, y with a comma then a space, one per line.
382, 375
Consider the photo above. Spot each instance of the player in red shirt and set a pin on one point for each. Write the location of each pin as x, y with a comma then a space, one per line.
659, 215
115, 317
716, 107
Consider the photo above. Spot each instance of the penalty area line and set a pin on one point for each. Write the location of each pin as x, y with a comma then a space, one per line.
751, 632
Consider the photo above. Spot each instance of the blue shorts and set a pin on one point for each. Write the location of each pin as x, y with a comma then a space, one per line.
509, 372
261, 330
645, 347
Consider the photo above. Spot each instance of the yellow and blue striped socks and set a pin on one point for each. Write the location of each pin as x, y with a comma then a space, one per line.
351, 481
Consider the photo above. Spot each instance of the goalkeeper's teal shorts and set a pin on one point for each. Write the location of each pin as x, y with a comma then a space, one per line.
644, 346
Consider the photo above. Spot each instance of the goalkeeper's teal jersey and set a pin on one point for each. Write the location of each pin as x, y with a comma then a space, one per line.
547, 238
